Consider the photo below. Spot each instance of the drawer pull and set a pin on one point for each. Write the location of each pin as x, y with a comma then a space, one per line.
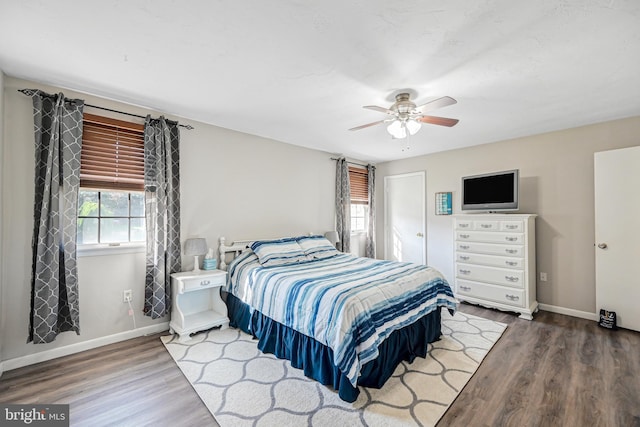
485, 225
512, 297
511, 278
511, 239
463, 225
465, 288
205, 283
511, 263
464, 271
464, 246
511, 227
511, 251
464, 257
464, 236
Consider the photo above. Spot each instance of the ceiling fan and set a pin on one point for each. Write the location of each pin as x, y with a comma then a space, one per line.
405, 117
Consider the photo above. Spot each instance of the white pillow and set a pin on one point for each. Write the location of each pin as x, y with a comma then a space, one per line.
278, 252
317, 247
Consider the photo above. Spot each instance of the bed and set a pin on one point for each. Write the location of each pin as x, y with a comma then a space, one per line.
345, 321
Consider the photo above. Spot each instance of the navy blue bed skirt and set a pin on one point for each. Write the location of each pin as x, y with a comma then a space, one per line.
316, 359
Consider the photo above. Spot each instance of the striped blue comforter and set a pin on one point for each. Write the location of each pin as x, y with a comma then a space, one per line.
347, 303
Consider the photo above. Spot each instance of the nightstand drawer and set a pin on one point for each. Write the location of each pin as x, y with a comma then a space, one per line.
203, 282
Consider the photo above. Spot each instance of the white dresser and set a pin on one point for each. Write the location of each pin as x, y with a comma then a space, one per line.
495, 261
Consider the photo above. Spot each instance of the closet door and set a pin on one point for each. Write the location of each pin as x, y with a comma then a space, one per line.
617, 246
404, 218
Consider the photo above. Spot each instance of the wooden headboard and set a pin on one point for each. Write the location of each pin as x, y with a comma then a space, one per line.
236, 247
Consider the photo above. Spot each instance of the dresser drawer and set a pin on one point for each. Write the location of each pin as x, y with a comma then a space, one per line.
203, 282
486, 225
499, 276
491, 249
490, 237
509, 296
513, 226
464, 224
491, 260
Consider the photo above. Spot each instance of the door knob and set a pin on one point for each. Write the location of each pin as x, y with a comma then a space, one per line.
420, 235
602, 245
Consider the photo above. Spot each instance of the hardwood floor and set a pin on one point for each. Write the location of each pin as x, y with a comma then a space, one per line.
553, 371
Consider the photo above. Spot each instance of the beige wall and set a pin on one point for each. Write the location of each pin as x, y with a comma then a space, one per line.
556, 182
234, 185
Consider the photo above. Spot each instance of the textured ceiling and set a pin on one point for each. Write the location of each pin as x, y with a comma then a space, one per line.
300, 71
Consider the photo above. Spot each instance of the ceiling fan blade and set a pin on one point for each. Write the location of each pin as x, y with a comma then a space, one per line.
442, 121
436, 103
380, 109
368, 125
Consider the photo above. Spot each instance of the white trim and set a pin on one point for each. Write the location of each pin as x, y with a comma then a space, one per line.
569, 312
101, 250
67, 350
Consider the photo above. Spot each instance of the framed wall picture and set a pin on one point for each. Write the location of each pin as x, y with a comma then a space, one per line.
443, 203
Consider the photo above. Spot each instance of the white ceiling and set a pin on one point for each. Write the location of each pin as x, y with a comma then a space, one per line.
300, 71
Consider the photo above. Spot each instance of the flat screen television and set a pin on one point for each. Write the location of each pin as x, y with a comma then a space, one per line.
496, 191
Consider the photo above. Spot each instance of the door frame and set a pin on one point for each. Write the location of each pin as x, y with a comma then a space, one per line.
423, 221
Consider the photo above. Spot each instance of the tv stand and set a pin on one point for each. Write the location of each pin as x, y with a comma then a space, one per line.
495, 262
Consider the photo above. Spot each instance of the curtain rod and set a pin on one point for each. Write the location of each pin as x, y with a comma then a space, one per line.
188, 127
351, 163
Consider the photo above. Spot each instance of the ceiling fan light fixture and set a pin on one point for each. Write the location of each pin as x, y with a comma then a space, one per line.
397, 129
413, 126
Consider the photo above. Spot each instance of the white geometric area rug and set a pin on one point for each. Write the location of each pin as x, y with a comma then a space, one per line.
241, 386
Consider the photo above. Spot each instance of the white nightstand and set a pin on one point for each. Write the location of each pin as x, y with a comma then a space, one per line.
196, 302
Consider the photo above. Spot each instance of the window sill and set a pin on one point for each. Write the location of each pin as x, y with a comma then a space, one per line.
105, 249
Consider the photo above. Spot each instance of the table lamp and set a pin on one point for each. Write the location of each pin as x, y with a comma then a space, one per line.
195, 247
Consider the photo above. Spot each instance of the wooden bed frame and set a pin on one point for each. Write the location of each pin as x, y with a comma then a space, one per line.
236, 247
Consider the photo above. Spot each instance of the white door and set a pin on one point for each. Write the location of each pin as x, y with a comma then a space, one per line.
404, 218
617, 246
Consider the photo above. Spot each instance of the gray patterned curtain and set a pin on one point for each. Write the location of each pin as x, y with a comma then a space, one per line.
343, 205
162, 210
54, 279
370, 247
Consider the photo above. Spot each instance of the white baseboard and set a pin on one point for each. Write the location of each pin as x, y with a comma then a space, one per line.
43, 356
569, 312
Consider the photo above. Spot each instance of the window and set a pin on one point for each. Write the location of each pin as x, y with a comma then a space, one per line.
359, 218
111, 197
359, 184
110, 217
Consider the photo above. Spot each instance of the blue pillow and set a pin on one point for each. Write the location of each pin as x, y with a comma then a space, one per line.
278, 252
317, 247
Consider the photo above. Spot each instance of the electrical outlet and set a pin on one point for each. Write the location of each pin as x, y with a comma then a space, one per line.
127, 296
543, 277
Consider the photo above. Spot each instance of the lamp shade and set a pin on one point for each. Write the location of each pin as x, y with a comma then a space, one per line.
332, 236
413, 126
397, 129
197, 246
